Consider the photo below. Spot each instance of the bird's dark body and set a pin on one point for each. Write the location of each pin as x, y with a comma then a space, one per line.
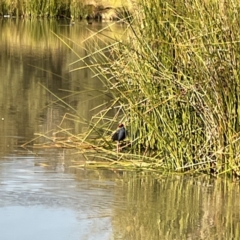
120, 134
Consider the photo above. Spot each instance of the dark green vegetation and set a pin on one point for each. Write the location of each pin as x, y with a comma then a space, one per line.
175, 85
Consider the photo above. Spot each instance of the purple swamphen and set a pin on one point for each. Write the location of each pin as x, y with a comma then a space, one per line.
119, 135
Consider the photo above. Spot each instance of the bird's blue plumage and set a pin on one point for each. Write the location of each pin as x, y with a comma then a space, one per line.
120, 134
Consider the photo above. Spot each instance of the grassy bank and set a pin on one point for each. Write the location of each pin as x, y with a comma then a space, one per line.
175, 83
56, 8
35, 8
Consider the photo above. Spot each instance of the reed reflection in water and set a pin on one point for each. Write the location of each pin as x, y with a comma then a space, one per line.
177, 208
117, 204
35, 62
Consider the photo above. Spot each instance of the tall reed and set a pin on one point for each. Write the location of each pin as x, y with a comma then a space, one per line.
56, 8
38, 8
176, 80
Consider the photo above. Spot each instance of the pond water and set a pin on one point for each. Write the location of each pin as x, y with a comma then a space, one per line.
44, 197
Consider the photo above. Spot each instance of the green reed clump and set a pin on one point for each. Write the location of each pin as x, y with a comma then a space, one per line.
33, 8
176, 81
42, 8
55, 8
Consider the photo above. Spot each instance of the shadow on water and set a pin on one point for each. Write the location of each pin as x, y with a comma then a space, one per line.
48, 194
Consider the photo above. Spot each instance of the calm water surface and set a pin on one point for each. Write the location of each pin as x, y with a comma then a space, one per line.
44, 195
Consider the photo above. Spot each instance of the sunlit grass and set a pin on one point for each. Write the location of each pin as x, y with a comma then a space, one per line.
174, 83
56, 8
175, 79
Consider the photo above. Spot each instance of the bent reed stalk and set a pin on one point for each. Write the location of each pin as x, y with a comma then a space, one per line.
176, 81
